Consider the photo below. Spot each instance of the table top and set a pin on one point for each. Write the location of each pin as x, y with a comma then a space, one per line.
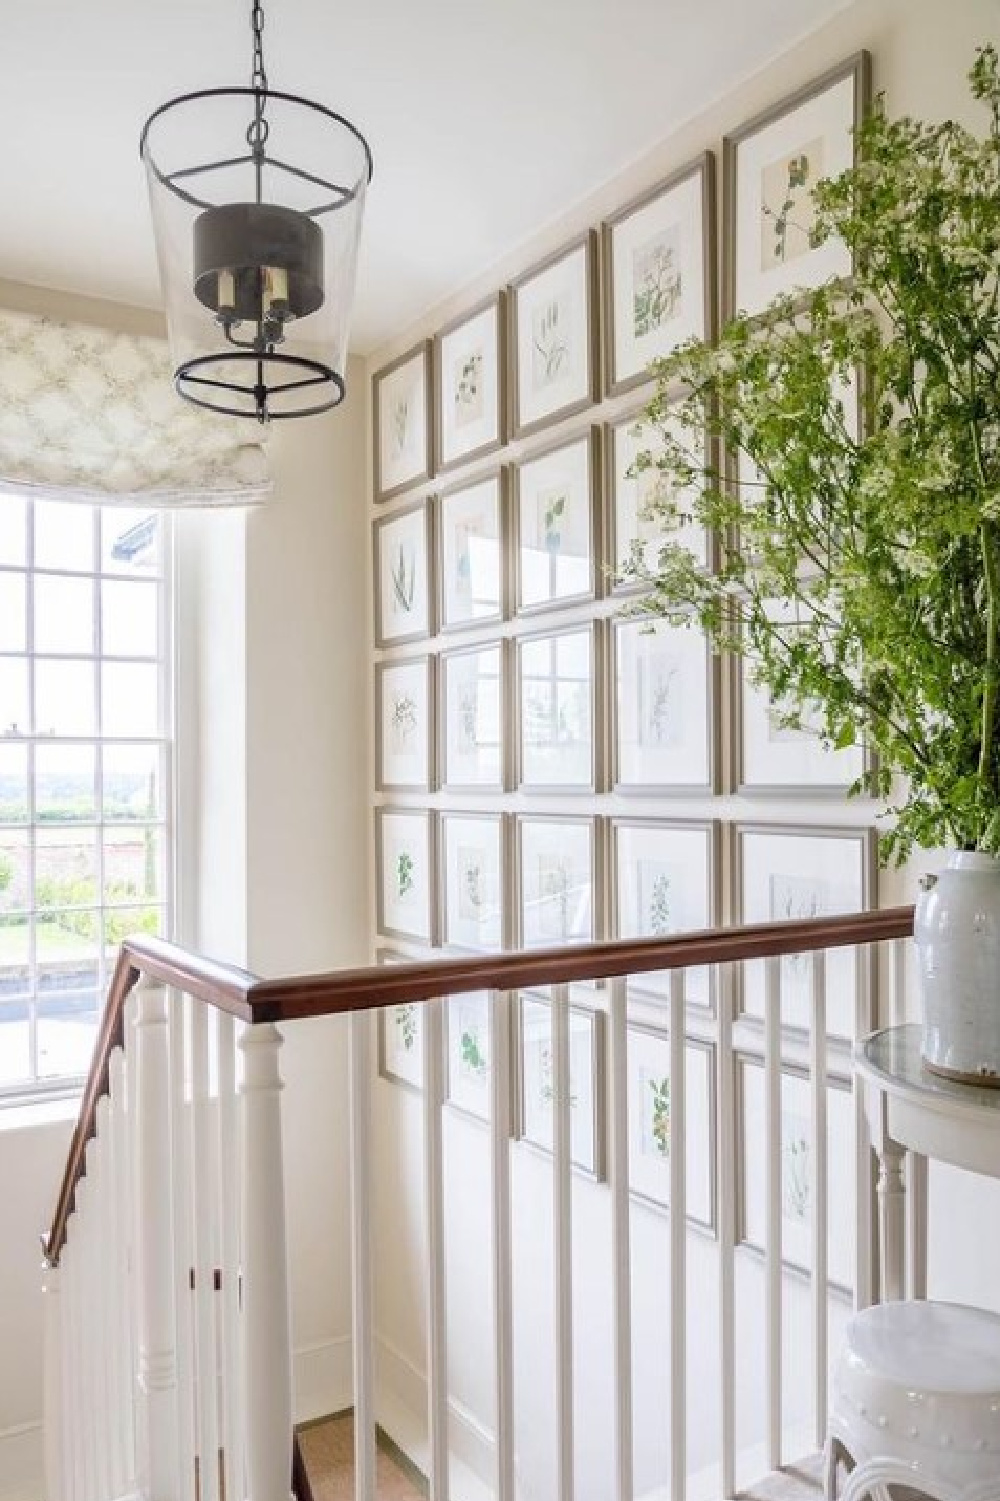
891, 1059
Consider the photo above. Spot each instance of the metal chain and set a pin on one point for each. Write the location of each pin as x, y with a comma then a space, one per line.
257, 131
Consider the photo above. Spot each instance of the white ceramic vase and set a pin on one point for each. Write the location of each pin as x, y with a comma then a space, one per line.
957, 933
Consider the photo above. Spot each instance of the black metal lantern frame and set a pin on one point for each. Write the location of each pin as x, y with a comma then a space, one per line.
257, 251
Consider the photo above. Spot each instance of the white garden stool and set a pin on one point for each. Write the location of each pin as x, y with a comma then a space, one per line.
916, 1404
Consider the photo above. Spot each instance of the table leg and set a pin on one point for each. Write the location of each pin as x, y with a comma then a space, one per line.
916, 1224
892, 1220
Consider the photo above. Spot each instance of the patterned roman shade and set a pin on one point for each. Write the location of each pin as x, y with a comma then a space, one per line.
92, 414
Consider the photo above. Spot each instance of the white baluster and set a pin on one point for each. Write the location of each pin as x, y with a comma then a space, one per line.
203, 1135
362, 1323
563, 1189
678, 1243
267, 1348
437, 1333
503, 1330
88, 1332
103, 1294
157, 1358
122, 1251
181, 1153
772, 1195
726, 1159
77, 1400
55, 1353
232, 1360
820, 1176
621, 1256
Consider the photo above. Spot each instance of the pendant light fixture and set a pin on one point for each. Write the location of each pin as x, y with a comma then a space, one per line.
257, 200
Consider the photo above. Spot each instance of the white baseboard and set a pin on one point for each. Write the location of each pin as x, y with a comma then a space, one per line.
401, 1403
22, 1463
322, 1379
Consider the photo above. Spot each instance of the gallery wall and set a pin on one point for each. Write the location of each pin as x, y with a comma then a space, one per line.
717, 786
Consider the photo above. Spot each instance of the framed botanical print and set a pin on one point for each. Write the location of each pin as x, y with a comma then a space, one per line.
635, 530
472, 552
401, 404
404, 852
556, 514
468, 1057
472, 873
651, 1134
784, 873
659, 274
664, 881
400, 1036
556, 879
536, 1081
556, 680
770, 168
553, 338
798, 1170
404, 729
665, 693
472, 718
471, 371
402, 576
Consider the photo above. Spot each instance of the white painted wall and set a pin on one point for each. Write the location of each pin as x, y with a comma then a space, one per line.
922, 51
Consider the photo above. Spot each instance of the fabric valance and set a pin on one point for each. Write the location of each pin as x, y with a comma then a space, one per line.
91, 414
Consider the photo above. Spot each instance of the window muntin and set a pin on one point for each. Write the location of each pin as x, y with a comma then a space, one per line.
85, 780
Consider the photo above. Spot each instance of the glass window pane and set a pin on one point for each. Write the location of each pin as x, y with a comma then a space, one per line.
15, 880
13, 610
15, 1048
64, 698
66, 943
64, 783
67, 1021
120, 922
130, 698
64, 535
65, 868
130, 541
133, 864
14, 696
13, 783
13, 531
128, 619
64, 614
133, 782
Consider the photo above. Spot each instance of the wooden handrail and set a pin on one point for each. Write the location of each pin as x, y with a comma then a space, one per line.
342, 991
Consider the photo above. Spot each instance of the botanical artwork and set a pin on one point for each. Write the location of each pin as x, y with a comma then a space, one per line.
798, 1170
550, 336
404, 730
468, 1054
788, 214
641, 493
470, 553
472, 881
657, 282
557, 710
401, 422
663, 706
404, 897
788, 874
401, 560
467, 386
472, 728
655, 1130
401, 1053
664, 884
556, 882
552, 327
536, 1066
555, 553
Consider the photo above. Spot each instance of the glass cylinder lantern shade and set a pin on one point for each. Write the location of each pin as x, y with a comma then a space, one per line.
257, 200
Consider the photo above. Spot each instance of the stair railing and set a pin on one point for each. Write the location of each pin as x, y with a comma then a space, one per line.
168, 1359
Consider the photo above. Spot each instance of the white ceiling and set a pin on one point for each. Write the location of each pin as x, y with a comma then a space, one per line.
487, 118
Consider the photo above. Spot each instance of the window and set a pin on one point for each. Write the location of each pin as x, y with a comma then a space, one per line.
84, 772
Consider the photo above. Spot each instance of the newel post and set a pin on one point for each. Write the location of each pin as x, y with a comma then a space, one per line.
266, 1324
157, 1342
